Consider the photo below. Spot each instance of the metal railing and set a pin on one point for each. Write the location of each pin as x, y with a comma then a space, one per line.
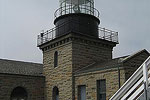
108, 35
46, 36
69, 9
136, 86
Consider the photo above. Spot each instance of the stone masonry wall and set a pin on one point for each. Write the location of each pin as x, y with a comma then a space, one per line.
73, 53
90, 79
61, 76
34, 86
85, 53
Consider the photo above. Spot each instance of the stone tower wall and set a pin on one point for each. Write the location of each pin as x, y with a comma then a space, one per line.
86, 52
74, 53
61, 76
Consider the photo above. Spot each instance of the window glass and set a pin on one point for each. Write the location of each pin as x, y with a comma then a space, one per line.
55, 59
55, 93
82, 92
101, 90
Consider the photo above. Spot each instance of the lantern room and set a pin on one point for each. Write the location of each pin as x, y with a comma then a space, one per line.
76, 6
77, 16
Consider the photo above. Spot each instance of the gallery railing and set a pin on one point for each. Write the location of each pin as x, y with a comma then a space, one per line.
46, 36
108, 35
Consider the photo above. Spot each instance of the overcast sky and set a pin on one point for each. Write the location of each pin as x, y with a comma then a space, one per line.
22, 20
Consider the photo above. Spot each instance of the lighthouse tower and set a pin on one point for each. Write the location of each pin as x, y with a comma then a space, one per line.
74, 43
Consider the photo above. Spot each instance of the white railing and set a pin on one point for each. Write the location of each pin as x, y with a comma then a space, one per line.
136, 85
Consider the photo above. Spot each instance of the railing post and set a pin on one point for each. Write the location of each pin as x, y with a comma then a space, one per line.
145, 76
52, 34
145, 91
104, 33
41, 36
117, 38
47, 36
111, 36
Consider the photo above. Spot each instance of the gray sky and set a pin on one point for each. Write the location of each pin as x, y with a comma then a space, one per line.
22, 20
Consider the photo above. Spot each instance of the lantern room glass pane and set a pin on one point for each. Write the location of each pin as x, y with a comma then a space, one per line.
76, 6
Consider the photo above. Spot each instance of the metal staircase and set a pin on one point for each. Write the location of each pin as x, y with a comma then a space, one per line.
137, 87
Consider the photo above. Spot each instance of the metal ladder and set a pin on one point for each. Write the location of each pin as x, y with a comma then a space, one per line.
137, 86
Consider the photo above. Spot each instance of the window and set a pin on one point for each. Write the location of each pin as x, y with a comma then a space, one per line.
82, 92
55, 93
101, 90
56, 59
18, 93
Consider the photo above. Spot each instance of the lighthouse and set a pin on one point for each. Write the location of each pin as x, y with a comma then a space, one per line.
75, 43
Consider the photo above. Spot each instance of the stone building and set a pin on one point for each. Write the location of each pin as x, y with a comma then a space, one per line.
77, 60
21, 80
77, 55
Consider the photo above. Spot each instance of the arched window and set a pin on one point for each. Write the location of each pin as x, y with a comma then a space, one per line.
56, 59
19, 93
55, 93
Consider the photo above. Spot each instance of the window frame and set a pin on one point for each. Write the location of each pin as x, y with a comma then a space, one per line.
56, 59
98, 82
55, 93
79, 91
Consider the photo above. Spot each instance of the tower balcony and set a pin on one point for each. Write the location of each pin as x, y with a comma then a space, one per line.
49, 35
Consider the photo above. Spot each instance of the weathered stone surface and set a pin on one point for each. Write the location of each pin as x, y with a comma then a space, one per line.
34, 85
60, 76
72, 55
76, 53
90, 80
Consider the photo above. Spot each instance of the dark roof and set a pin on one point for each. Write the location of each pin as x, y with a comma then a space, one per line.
20, 67
135, 54
114, 63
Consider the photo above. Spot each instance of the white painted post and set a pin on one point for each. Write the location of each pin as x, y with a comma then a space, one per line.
145, 76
